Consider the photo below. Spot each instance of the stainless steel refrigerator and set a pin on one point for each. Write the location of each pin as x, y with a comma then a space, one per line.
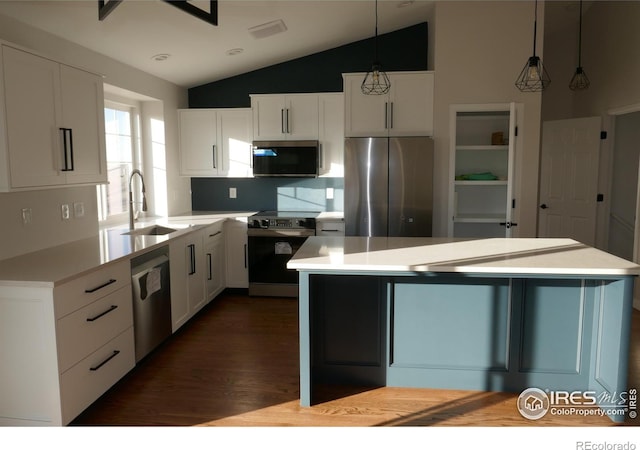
388, 186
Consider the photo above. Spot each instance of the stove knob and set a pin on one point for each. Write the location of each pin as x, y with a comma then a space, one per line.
264, 223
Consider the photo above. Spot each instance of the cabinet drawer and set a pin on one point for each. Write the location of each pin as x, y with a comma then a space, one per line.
86, 289
330, 228
83, 383
88, 328
213, 231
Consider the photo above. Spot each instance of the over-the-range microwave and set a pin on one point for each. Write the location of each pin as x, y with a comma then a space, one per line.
285, 158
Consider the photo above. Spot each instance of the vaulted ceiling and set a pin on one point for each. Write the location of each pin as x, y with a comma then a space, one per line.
140, 32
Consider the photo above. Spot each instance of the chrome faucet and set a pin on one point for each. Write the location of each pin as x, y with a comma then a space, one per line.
144, 198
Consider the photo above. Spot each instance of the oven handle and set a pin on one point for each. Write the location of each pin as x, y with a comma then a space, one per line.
262, 232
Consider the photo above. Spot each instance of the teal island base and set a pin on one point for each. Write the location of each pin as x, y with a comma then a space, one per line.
565, 335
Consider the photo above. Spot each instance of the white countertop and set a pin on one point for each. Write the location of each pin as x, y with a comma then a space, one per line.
56, 265
481, 256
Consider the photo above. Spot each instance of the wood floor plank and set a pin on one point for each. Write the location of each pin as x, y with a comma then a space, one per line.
236, 364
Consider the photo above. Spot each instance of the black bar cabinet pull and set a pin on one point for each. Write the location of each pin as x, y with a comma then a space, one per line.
214, 156
67, 143
97, 288
192, 254
91, 319
94, 368
245, 256
210, 271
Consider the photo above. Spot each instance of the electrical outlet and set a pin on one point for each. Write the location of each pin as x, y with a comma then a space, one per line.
66, 215
233, 193
26, 216
78, 209
329, 193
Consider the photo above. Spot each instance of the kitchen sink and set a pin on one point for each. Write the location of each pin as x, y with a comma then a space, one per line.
154, 230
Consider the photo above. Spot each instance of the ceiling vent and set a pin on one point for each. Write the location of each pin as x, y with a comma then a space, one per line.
268, 29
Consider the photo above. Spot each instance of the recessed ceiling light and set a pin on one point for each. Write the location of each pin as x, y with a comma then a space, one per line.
160, 57
405, 3
234, 51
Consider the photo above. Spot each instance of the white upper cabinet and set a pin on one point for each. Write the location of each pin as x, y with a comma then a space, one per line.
52, 123
285, 116
215, 142
331, 134
406, 110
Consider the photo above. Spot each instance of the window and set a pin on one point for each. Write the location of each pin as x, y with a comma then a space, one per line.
122, 157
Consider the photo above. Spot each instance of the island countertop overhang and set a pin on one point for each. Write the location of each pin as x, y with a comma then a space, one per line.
531, 256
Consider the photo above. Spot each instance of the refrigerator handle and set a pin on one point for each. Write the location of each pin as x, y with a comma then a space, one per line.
386, 115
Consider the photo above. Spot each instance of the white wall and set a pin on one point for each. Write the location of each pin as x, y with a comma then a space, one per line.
16, 239
480, 48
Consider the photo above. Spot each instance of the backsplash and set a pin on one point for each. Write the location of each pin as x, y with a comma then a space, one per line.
264, 194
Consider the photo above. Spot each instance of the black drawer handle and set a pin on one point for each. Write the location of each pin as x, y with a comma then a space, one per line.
97, 288
94, 368
91, 319
215, 234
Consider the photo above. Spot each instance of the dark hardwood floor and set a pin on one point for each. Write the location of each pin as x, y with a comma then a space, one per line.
236, 364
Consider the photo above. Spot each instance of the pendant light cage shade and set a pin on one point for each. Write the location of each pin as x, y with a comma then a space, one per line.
534, 77
579, 80
376, 81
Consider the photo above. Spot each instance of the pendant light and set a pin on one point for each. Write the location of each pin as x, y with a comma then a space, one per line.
534, 77
376, 81
580, 79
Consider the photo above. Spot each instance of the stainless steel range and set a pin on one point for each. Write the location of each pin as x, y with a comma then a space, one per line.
273, 238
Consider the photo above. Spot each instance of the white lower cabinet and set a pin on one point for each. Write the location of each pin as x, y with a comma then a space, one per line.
237, 269
330, 227
214, 250
187, 277
75, 341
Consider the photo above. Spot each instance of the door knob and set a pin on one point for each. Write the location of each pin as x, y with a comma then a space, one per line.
544, 206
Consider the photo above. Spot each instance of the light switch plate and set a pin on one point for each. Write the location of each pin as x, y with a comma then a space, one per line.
66, 215
78, 209
26, 216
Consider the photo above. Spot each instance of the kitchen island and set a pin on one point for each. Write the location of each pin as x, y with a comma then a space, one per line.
476, 314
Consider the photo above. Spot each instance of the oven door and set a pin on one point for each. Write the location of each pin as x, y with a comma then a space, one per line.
268, 253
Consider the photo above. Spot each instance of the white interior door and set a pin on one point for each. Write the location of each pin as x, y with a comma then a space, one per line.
569, 179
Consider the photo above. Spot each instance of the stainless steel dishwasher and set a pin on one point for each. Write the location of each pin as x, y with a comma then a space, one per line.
151, 300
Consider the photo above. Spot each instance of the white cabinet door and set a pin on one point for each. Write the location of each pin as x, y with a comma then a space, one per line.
54, 119
331, 134
187, 271
198, 141
83, 114
215, 142
235, 134
196, 270
237, 274
32, 106
214, 262
178, 275
365, 115
411, 104
302, 116
407, 110
285, 117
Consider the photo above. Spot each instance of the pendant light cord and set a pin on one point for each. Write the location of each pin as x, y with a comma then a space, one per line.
535, 25
376, 37
580, 37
